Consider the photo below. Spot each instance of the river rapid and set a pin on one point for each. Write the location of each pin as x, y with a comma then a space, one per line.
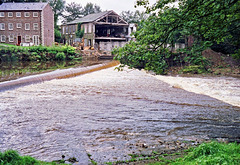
109, 114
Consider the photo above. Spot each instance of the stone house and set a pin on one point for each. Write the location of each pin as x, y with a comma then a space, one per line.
103, 31
26, 24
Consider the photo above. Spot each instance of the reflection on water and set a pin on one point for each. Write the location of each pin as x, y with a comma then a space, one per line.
15, 70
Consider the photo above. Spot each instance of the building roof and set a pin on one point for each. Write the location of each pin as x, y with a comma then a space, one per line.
22, 6
90, 17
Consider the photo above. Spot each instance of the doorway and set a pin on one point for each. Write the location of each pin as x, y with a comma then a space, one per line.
19, 40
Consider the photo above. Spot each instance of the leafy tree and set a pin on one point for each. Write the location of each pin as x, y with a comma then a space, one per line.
58, 35
133, 17
91, 8
58, 9
208, 21
73, 12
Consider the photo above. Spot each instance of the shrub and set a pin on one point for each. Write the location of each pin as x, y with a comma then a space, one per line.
60, 56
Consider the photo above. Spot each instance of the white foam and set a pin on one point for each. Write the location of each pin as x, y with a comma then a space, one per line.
226, 89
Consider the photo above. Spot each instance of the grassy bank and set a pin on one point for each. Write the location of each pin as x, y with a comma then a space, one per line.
213, 153
209, 154
37, 53
11, 157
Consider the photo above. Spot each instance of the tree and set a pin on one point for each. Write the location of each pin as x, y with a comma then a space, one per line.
73, 11
91, 8
133, 17
58, 9
208, 21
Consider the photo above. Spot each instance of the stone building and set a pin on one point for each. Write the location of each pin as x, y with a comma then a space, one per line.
26, 24
103, 31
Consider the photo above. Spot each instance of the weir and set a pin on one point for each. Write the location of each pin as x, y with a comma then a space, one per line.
57, 74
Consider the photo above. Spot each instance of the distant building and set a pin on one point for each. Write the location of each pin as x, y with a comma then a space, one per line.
26, 24
103, 31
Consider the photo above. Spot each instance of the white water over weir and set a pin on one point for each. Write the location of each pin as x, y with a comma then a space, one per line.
57, 74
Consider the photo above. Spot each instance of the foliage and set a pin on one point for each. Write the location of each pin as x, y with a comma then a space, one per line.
212, 153
73, 11
37, 53
80, 32
11, 157
194, 69
91, 8
58, 9
57, 35
133, 17
60, 56
208, 21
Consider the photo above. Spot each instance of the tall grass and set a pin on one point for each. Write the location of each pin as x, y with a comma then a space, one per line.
12, 157
213, 153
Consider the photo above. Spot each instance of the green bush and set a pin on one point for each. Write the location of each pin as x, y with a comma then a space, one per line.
12, 158
60, 56
38, 53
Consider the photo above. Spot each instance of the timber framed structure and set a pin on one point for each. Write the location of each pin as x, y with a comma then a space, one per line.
103, 31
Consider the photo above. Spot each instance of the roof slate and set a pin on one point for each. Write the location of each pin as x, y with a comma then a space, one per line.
22, 6
89, 18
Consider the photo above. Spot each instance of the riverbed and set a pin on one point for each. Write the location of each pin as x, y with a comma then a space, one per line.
109, 114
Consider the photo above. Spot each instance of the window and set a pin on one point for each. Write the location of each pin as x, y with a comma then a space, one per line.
86, 29
2, 14
10, 26
27, 38
63, 30
3, 38
19, 25
27, 14
90, 28
35, 26
36, 40
18, 14
10, 14
66, 30
27, 26
11, 38
35, 14
74, 28
2, 26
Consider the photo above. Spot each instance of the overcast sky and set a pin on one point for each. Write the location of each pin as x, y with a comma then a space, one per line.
116, 5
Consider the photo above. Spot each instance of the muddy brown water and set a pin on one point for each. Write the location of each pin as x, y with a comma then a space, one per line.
108, 114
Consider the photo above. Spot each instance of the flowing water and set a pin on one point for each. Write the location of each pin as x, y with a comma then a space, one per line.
109, 114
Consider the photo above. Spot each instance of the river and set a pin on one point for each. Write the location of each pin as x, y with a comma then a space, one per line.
109, 114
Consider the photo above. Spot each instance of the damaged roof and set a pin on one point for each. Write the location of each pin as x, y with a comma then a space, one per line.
22, 6
90, 17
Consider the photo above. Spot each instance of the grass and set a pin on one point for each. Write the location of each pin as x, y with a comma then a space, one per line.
11, 157
213, 153
9, 45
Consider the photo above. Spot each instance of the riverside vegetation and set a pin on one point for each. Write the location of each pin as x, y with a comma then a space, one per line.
210, 23
38, 53
205, 154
